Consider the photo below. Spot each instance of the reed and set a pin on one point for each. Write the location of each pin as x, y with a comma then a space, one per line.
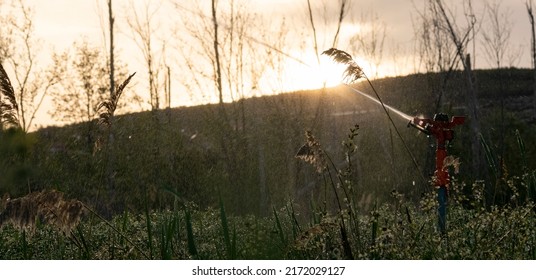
311, 152
48, 207
353, 71
8, 102
108, 107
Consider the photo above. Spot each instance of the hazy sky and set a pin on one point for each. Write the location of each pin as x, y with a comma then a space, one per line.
61, 22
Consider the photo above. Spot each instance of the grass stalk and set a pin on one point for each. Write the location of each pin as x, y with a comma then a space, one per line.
117, 231
167, 228
77, 238
25, 247
490, 158
296, 229
149, 229
280, 231
192, 248
230, 246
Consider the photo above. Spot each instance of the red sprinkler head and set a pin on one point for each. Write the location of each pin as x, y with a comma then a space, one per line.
442, 129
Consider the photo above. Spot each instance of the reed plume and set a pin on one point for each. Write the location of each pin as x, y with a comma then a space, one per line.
352, 72
312, 153
48, 207
110, 105
8, 101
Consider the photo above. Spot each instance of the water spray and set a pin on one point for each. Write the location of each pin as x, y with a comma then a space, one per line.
440, 127
398, 112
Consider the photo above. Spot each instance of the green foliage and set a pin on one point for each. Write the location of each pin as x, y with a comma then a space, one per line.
399, 230
15, 167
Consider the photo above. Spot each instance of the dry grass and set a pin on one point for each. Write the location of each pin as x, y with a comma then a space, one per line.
451, 161
352, 72
48, 207
312, 153
110, 105
8, 102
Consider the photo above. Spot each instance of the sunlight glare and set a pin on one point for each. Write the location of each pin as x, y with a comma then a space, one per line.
313, 75
329, 72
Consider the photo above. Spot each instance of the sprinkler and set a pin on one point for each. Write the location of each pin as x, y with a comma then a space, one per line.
442, 130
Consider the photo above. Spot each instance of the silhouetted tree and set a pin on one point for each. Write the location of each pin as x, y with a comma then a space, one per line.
533, 47
19, 52
143, 26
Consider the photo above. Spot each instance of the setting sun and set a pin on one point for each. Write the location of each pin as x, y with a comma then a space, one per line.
312, 75
329, 72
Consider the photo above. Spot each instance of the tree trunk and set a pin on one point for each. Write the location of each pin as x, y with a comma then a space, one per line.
533, 50
217, 54
472, 105
471, 97
111, 20
111, 138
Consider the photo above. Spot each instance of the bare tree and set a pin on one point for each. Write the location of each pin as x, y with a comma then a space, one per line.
82, 87
496, 35
496, 45
111, 24
8, 103
459, 36
30, 87
530, 12
6, 32
369, 42
217, 59
224, 50
433, 45
143, 26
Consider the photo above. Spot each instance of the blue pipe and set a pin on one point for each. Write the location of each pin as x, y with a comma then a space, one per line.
442, 210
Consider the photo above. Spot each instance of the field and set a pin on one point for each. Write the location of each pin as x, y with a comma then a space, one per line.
186, 184
397, 230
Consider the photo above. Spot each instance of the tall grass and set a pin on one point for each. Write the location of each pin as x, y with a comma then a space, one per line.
229, 241
108, 106
8, 102
192, 248
398, 230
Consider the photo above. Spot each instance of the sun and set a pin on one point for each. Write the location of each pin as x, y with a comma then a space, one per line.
330, 72
310, 74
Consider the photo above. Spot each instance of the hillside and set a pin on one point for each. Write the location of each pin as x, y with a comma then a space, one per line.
247, 155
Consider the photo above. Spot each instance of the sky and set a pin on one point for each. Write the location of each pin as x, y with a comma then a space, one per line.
59, 23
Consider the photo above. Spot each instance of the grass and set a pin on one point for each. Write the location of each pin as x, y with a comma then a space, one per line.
400, 228
392, 231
